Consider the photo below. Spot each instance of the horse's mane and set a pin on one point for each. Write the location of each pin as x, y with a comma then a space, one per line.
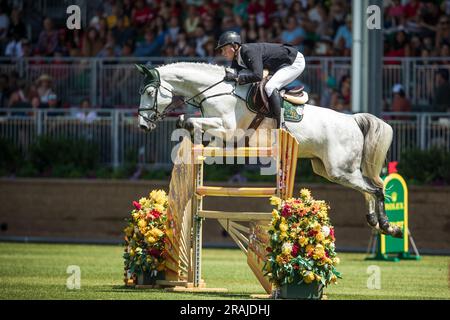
197, 65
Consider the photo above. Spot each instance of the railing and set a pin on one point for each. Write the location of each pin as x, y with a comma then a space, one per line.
116, 132
114, 82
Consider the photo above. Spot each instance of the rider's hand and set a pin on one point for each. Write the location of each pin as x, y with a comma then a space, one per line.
230, 75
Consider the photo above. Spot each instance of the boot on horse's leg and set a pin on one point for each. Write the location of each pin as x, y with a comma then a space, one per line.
275, 102
383, 220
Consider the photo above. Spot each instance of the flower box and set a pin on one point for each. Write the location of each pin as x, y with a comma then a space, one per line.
301, 257
145, 234
149, 278
307, 291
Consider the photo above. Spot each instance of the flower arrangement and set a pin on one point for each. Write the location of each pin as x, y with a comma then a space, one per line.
145, 236
301, 246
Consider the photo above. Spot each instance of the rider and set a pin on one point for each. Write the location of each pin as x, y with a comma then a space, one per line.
249, 59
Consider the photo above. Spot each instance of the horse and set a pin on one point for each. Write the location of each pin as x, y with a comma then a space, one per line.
347, 149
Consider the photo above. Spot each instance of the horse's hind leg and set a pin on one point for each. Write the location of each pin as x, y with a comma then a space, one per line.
385, 226
355, 181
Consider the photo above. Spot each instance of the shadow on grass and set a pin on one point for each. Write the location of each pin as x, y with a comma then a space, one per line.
125, 289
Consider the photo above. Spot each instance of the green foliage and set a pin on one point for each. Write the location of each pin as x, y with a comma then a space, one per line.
425, 166
10, 157
63, 157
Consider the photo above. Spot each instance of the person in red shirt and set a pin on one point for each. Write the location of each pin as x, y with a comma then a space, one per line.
412, 8
141, 13
399, 102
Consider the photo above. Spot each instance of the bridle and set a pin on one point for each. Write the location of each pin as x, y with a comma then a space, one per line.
156, 84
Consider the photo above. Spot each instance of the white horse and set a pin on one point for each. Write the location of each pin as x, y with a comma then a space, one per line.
346, 149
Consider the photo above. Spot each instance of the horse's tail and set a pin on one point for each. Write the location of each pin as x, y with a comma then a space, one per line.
377, 140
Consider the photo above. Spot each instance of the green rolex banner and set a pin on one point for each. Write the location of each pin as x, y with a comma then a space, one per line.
396, 207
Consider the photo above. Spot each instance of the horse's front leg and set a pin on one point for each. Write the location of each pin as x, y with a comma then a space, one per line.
210, 130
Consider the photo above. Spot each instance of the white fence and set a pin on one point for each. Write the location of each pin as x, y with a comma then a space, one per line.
114, 82
116, 132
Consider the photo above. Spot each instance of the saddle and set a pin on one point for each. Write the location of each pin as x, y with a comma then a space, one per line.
258, 102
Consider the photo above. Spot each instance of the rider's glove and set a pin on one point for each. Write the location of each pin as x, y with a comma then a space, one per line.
230, 75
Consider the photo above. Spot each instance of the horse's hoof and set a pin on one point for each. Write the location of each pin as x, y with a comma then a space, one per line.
397, 232
372, 219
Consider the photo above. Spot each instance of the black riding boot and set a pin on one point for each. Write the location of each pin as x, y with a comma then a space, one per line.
275, 102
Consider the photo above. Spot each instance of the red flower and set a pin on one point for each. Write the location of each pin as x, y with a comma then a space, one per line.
154, 253
312, 233
269, 249
295, 249
155, 213
286, 212
332, 233
137, 205
296, 267
327, 254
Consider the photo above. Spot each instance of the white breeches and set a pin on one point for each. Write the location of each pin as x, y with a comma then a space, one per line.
286, 75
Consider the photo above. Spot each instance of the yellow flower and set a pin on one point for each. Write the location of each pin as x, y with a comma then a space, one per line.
283, 226
316, 226
336, 261
305, 193
279, 259
333, 279
129, 231
275, 215
144, 202
286, 248
318, 278
135, 215
293, 235
283, 235
309, 248
159, 207
308, 277
142, 223
303, 241
275, 201
159, 197
132, 253
150, 240
155, 232
320, 236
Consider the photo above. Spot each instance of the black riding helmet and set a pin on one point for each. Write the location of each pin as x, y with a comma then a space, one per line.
229, 37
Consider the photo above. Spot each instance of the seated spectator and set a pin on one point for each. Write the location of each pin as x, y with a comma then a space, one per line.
14, 47
44, 88
441, 99
399, 101
122, 32
17, 26
115, 15
151, 46
48, 39
345, 91
18, 98
92, 43
141, 14
4, 24
84, 114
293, 34
325, 100
443, 31
192, 21
345, 33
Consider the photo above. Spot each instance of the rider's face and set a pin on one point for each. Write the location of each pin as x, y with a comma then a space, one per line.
228, 52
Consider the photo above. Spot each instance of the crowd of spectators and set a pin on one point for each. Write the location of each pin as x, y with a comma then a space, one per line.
190, 28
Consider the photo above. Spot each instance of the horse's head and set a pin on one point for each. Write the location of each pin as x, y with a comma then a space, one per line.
154, 98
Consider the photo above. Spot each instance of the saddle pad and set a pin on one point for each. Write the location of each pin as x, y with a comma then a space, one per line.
293, 113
